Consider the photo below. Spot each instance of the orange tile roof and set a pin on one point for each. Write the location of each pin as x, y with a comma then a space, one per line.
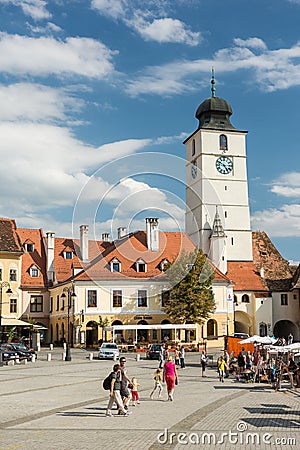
245, 276
9, 239
36, 258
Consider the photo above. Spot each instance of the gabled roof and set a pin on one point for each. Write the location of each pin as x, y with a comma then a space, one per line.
245, 276
36, 258
9, 239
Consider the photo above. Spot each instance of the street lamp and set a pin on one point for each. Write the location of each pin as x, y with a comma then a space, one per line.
4, 284
71, 295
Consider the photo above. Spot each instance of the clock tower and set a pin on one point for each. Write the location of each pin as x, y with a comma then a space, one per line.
216, 180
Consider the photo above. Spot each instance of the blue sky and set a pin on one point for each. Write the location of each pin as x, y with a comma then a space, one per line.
94, 93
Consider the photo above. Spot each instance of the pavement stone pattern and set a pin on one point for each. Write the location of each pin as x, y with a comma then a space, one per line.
61, 405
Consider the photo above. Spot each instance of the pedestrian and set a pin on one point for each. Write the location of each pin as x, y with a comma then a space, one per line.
114, 393
203, 362
134, 391
161, 356
177, 357
182, 356
170, 376
241, 364
290, 339
125, 394
157, 383
221, 368
226, 358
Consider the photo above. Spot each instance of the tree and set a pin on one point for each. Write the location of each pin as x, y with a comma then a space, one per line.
190, 299
102, 323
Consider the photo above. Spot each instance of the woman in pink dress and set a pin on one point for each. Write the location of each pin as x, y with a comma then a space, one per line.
170, 376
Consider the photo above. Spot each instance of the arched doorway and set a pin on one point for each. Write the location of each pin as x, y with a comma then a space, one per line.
119, 338
263, 329
165, 334
212, 328
283, 328
242, 323
142, 335
91, 334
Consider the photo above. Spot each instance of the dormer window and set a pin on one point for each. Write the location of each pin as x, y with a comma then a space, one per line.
68, 255
34, 271
29, 247
164, 264
141, 266
223, 143
115, 265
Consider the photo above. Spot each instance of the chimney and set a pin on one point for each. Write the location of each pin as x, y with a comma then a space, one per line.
121, 232
84, 242
262, 272
50, 255
105, 237
152, 234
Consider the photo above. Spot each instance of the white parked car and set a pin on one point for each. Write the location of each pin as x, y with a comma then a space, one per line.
109, 351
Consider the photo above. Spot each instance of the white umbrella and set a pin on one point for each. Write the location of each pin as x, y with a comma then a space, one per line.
258, 340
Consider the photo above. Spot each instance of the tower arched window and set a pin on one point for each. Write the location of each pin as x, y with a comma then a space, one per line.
223, 143
245, 298
193, 147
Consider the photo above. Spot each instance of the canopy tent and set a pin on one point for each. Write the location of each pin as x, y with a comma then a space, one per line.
13, 322
165, 326
258, 340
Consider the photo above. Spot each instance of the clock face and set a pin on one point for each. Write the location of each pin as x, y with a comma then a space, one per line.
224, 165
194, 169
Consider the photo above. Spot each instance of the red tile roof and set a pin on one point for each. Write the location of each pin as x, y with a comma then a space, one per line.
36, 258
9, 239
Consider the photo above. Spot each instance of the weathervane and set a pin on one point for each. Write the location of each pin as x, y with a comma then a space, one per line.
213, 89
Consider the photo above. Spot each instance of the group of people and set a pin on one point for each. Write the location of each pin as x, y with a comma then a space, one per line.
179, 356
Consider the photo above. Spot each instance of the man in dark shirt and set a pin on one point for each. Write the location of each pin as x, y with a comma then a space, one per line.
114, 393
125, 394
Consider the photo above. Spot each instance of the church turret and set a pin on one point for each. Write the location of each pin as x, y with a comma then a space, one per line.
217, 253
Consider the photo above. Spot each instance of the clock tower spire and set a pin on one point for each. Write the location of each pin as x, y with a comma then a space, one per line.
216, 175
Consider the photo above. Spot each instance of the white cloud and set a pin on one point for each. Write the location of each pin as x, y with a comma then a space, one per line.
34, 102
50, 166
272, 69
49, 28
165, 30
110, 8
149, 20
42, 56
36, 9
288, 185
281, 222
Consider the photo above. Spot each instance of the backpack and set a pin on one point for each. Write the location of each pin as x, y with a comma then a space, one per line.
107, 382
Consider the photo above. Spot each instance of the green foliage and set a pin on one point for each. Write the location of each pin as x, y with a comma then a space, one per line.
10, 334
191, 299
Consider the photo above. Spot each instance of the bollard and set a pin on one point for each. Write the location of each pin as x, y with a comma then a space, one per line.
91, 356
49, 357
51, 346
63, 356
33, 358
137, 357
25, 361
17, 361
115, 357
65, 346
11, 362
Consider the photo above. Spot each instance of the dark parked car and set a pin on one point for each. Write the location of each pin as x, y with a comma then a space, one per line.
8, 355
22, 351
153, 351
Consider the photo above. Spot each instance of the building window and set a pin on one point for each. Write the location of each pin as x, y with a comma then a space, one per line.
29, 248
13, 305
68, 255
193, 147
223, 143
117, 299
13, 275
165, 296
225, 214
92, 299
164, 265
36, 303
245, 298
0, 274
284, 299
34, 272
141, 266
142, 298
212, 329
115, 265
57, 302
51, 305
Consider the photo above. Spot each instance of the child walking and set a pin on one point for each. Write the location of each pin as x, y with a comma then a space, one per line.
157, 383
134, 392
